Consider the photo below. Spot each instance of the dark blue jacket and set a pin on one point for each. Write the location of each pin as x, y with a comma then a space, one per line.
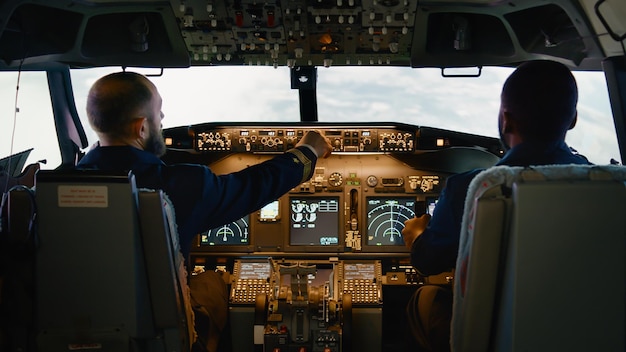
203, 200
435, 250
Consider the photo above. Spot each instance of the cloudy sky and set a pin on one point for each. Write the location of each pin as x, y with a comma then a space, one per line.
360, 94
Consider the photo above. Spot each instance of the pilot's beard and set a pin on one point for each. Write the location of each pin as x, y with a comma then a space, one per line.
155, 144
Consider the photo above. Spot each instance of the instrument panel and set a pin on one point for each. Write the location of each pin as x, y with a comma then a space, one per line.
357, 200
353, 204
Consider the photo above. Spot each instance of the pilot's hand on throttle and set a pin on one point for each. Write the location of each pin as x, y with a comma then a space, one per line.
413, 228
317, 141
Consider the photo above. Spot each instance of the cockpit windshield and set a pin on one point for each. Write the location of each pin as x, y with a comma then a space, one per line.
421, 97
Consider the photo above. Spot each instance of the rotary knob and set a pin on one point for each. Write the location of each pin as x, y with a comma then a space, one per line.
335, 179
371, 181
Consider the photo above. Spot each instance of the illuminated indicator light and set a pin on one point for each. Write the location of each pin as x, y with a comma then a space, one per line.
169, 141
270, 19
440, 142
239, 19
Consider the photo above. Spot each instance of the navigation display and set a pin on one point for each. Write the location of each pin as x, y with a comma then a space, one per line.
314, 221
235, 233
385, 219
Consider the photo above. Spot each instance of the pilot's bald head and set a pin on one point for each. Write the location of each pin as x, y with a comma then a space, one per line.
118, 98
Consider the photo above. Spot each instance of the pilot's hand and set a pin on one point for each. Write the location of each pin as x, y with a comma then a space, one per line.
413, 228
317, 141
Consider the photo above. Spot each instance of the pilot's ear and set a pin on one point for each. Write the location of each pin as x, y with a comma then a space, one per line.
508, 125
139, 127
574, 120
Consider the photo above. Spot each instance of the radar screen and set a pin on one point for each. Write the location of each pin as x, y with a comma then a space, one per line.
385, 219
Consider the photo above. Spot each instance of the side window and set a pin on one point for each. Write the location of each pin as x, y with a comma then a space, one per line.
26, 119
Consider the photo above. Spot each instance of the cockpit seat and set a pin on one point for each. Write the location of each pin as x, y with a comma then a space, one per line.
525, 280
109, 274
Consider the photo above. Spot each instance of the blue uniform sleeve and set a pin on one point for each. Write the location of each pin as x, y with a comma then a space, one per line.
222, 199
436, 249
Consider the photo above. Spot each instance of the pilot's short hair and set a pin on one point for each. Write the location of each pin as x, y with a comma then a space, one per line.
541, 96
116, 99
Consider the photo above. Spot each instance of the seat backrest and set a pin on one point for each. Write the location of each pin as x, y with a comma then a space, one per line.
541, 262
106, 274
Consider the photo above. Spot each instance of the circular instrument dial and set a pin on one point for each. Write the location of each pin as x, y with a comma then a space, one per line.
335, 179
372, 181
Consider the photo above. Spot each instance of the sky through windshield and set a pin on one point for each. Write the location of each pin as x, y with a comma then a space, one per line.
355, 94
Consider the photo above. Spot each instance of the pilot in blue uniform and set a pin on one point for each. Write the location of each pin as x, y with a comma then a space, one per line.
538, 107
125, 111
